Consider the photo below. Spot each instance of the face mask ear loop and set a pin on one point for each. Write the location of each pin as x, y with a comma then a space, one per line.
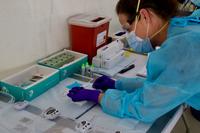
136, 18
159, 30
136, 21
147, 29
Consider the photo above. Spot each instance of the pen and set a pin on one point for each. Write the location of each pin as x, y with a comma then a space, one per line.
127, 69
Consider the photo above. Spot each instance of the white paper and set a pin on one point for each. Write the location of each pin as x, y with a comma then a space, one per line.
56, 97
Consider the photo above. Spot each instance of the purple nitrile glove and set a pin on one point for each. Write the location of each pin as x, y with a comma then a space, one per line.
104, 83
81, 94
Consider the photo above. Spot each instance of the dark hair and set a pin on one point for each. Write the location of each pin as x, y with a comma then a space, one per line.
164, 8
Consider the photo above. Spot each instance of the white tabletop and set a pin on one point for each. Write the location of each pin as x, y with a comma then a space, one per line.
13, 121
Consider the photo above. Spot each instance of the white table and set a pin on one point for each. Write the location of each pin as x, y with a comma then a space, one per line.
25, 121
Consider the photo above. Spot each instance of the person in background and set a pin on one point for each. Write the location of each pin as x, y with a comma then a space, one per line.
173, 71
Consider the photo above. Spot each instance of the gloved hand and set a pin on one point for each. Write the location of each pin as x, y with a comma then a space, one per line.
103, 83
81, 94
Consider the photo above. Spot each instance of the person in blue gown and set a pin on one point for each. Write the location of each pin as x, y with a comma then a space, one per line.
173, 71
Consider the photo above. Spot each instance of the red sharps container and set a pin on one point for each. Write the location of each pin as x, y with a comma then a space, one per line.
88, 33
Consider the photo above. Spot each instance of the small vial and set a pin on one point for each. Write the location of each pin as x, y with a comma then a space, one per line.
87, 68
83, 70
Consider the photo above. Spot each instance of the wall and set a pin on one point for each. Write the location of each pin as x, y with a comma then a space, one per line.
32, 29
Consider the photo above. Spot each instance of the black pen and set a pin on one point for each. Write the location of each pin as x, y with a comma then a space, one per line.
127, 69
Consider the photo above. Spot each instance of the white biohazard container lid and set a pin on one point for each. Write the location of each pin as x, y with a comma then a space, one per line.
88, 20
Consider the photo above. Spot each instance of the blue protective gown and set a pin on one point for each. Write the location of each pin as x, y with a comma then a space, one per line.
173, 78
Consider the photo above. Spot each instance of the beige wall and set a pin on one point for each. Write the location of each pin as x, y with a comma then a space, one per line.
32, 29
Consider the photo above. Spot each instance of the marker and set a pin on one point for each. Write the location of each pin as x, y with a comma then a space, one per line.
127, 69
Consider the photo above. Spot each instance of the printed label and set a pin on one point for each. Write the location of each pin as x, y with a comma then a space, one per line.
101, 38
